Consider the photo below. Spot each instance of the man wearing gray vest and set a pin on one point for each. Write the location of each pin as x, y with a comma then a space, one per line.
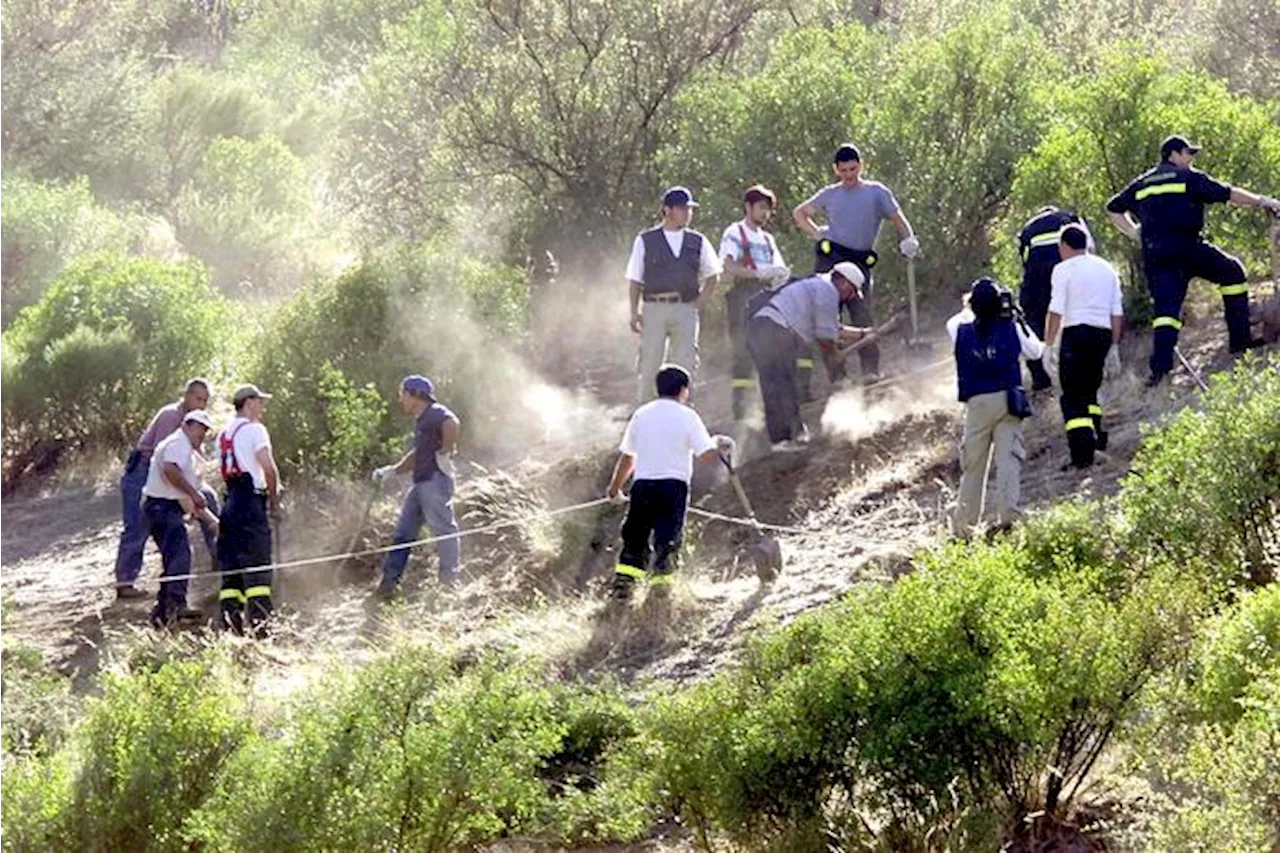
667, 267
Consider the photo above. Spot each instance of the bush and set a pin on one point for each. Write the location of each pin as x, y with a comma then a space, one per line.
112, 339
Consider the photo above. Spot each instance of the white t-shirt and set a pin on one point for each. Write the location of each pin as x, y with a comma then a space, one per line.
1086, 292
175, 448
760, 243
1031, 346
249, 439
664, 436
708, 263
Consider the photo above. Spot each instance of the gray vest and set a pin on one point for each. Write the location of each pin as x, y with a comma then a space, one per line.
666, 273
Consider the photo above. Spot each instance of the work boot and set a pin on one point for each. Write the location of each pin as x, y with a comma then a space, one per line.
1156, 377
786, 446
189, 614
1252, 343
1101, 441
386, 591
129, 591
802, 435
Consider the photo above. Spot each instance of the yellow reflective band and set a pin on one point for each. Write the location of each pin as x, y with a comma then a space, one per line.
662, 580
1160, 189
1095, 409
744, 383
231, 594
1080, 423
630, 571
804, 363
825, 245
1172, 322
257, 592
871, 260
1046, 239
1234, 290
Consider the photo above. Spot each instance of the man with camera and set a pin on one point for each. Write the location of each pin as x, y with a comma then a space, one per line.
989, 343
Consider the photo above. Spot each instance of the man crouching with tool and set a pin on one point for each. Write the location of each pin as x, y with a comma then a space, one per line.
659, 445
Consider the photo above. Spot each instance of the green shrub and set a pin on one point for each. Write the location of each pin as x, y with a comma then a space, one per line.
112, 339
1236, 650
38, 707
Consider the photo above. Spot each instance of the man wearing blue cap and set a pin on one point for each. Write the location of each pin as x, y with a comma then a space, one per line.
430, 499
667, 267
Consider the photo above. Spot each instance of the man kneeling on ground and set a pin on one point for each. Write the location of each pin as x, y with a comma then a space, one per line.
659, 445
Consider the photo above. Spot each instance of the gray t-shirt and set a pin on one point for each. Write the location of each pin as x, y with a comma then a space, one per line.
854, 213
810, 307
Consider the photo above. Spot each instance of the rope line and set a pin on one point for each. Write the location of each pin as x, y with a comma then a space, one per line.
746, 522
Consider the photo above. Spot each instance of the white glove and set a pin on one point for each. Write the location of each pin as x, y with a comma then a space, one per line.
617, 500
725, 444
444, 461
1111, 367
1271, 204
386, 472
1051, 360
773, 274
909, 247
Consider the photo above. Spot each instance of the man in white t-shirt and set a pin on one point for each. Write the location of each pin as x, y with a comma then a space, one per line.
666, 269
1087, 305
751, 256
253, 499
661, 441
173, 484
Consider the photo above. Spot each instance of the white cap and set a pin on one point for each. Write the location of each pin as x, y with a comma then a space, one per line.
198, 416
851, 273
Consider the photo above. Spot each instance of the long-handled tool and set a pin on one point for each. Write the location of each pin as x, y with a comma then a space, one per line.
1271, 310
364, 521
1195, 374
766, 553
914, 344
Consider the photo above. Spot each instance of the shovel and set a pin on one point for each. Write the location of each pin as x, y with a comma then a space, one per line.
914, 344
364, 520
766, 553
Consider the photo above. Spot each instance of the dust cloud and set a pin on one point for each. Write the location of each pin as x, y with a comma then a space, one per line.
851, 415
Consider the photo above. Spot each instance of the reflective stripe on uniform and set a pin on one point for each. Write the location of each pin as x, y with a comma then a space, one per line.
1234, 290
1046, 239
630, 571
744, 383
804, 363
231, 595
257, 592
1080, 423
662, 580
1160, 189
1172, 322
1095, 409
825, 245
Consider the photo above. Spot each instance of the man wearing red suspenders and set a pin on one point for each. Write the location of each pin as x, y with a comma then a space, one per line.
751, 256
253, 498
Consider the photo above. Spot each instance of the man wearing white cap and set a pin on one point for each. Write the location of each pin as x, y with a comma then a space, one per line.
789, 320
667, 267
173, 484
253, 498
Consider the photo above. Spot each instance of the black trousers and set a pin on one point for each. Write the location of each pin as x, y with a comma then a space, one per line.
1168, 274
1033, 297
169, 530
244, 541
774, 349
744, 371
827, 254
656, 513
1083, 354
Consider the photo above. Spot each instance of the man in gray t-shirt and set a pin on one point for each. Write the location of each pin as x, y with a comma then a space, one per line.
854, 209
799, 314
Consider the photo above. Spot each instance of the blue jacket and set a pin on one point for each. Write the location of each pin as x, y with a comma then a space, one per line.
987, 364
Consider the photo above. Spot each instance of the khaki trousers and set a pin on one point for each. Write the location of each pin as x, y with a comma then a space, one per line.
670, 334
989, 431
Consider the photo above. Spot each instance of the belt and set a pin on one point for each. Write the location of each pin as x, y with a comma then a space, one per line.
173, 501
665, 297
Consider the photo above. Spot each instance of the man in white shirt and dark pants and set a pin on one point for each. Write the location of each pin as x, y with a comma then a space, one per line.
1087, 305
253, 499
751, 256
173, 484
661, 441
666, 269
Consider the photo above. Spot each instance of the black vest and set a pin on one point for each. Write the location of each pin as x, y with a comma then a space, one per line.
987, 364
666, 273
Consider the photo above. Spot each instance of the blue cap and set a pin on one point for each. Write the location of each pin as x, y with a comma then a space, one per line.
419, 386
678, 197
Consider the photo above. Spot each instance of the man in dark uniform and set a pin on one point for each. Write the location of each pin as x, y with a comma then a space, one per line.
1038, 246
1168, 202
854, 207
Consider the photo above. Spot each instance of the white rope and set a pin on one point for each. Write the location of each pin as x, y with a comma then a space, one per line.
746, 522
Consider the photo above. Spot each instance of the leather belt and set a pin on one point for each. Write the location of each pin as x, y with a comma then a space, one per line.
663, 297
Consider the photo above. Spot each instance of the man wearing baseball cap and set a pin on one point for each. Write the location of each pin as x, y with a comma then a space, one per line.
430, 499
1163, 210
253, 499
789, 320
173, 489
666, 269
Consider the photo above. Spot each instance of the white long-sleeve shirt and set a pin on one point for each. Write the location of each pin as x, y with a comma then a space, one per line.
1032, 347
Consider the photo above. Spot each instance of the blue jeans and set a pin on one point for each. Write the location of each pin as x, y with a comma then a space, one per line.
429, 502
169, 529
133, 539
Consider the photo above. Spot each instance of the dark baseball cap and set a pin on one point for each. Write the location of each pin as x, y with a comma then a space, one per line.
418, 385
248, 392
1176, 143
678, 197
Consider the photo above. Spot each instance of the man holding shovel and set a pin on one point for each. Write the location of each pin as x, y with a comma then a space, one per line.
854, 209
659, 445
